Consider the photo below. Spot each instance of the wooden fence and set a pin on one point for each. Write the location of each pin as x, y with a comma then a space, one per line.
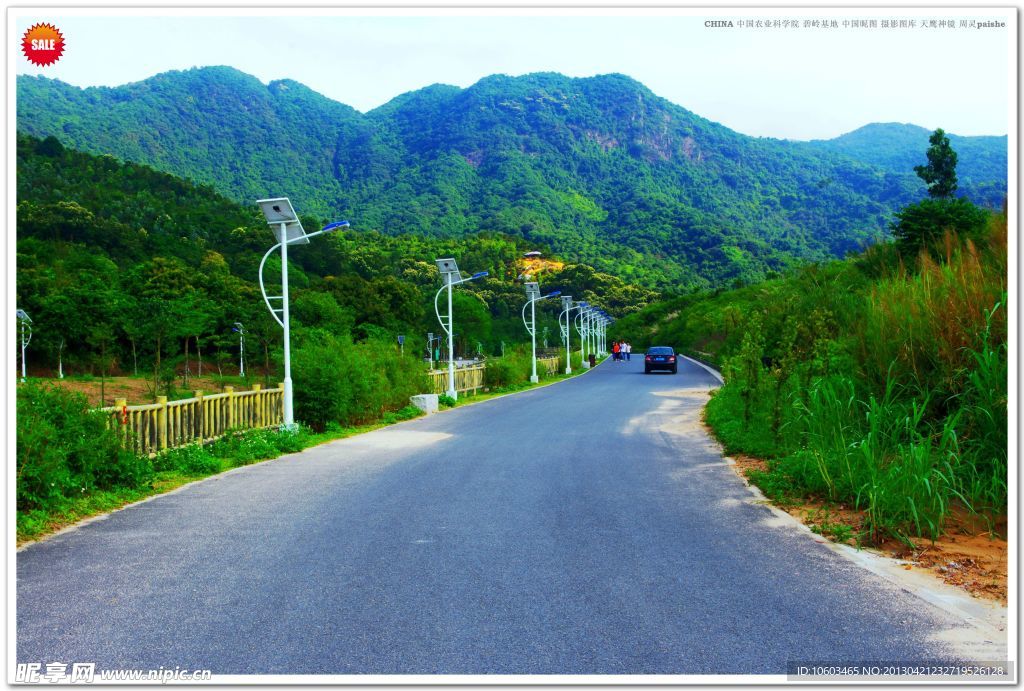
466, 379
548, 365
149, 429
472, 378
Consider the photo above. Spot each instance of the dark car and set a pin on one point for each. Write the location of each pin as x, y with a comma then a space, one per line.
660, 357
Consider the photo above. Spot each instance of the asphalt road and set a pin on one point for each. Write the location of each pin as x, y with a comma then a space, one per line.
586, 527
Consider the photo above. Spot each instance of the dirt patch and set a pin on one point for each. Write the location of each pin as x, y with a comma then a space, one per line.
976, 562
139, 391
968, 556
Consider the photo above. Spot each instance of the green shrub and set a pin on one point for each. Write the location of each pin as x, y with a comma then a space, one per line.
513, 368
352, 383
242, 448
321, 393
407, 413
291, 441
192, 460
446, 401
65, 449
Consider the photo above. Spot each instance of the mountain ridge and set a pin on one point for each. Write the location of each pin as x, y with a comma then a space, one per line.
601, 168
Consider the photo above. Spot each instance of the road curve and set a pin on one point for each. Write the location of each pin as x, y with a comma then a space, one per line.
586, 527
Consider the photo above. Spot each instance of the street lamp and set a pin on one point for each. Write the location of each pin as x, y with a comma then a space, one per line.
532, 296
566, 312
452, 277
606, 320
581, 329
26, 336
598, 327
284, 222
241, 347
588, 320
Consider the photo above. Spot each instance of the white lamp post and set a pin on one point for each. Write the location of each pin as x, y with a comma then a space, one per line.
284, 222
566, 329
452, 277
532, 296
26, 335
241, 347
581, 328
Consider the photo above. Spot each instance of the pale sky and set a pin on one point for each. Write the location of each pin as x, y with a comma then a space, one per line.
796, 83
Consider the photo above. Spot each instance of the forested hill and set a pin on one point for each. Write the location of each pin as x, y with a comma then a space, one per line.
113, 256
601, 169
897, 148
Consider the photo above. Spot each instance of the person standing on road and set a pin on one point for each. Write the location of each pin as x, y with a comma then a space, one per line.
616, 351
628, 348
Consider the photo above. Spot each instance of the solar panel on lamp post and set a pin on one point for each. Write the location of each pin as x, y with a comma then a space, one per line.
450, 270
288, 230
567, 329
26, 336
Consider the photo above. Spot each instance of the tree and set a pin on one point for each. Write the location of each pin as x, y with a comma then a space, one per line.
101, 337
922, 224
940, 173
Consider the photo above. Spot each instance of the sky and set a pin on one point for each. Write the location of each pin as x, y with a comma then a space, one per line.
801, 83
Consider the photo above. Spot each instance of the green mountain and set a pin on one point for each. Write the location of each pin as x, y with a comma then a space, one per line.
896, 148
216, 126
600, 169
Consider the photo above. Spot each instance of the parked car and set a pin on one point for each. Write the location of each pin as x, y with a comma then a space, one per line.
661, 358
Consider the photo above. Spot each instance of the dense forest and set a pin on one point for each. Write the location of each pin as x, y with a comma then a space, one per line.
123, 268
600, 170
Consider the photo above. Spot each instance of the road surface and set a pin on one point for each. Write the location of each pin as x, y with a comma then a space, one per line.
585, 527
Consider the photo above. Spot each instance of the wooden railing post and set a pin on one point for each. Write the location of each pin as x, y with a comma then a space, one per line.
200, 430
230, 391
161, 429
257, 405
122, 422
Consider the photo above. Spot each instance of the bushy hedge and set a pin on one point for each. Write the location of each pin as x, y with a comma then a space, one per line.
64, 449
512, 368
338, 381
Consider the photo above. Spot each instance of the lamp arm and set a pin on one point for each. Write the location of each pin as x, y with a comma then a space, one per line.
437, 310
263, 289
529, 330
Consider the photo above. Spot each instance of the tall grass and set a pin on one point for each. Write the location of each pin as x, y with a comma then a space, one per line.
880, 382
880, 455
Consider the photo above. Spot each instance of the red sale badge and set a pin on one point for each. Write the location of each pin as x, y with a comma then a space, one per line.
43, 44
